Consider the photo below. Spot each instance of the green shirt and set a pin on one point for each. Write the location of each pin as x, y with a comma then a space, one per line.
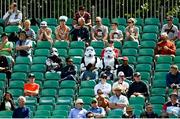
5, 52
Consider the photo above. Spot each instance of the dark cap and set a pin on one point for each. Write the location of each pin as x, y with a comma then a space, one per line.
137, 74
31, 75
103, 75
94, 100
4, 34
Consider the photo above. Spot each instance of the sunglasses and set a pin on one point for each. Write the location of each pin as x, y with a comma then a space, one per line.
81, 103
89, 116
97, 21
169, 20
129, 22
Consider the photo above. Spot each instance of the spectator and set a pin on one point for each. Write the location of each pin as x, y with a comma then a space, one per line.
13, 16
23, 46
90, 115
115, 33
111, 44
62, 31
99, 31
149, 113
84, 14
118, 101
44, 33
80, 32
110, 75
172, 107
29, 31
132, 32
170, 29
126, 68
69, 71
103, 85
54, 62
172, 77
99, 112
129, 113
4, 67
121, 83
7, 103
21, 111
102, 101
31, 88
78, 111
138, 88
89, 73
165, 46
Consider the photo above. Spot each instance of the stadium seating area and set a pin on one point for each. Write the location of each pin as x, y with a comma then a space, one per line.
56, 100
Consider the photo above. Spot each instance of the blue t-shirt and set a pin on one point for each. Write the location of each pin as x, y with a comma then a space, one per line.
21, 112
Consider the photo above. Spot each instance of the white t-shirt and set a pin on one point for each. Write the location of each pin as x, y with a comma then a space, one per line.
106, 88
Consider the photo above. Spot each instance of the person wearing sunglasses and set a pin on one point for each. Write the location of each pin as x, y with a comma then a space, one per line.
129, 113
170, 28
90, 115
132, 32
78, 111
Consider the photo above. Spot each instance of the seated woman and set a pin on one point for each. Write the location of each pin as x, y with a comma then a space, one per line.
132, 32
7, 103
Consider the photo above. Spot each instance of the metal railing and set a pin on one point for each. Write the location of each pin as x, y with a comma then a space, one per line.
103, 8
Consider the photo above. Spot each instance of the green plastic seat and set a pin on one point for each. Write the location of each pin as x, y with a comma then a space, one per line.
3, 77
61, 45
39, 75
21, 68
66, 92
42, 114
42, 52
16, 85
31, 107
98, 52
159, 84
149, 37
106, 21
48, 84
19, 76
83, 92
144, 60
117, 45
145, 76
120, 21
63, 52
2, 85
88, 84
162, 67
52, 76
2, 21
122, 28
143, 67
146, 52
11, 29
139, 22
137, 106
51, 21
38, 68
115, 113
23, 60
138, 113
129, 52
152, 21
68, 84
157, 106
53, 28
130, 44
76, 52
157, 99
6, 114
158, 92
1, 30
60, 112
178, 52
62, 107
39, 60
98, 44
86, 99
69, 21
48, 92
77, 60
164, 59
136, 100
158, 111
160, 76
43, 45
45, 107
148, 44
177, 59
151, 29
132, 60
64, 101
31, 101
47, 101
77, 45
16, 92
35, 28
87, 107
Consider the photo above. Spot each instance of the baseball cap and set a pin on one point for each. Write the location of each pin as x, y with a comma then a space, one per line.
174, 66
63, 18
31, 75
125, 58
175, 94
120, 73
137, 74
94, 100
43, 23
164, 34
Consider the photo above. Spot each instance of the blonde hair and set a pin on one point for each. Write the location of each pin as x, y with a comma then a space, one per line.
27, 21
132, 19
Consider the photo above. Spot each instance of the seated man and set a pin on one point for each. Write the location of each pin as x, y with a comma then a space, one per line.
118, 101
138, 88
13, 16
129, 113
149, 113
31, 88
172, 78
115, 33
165, 46
99, 112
